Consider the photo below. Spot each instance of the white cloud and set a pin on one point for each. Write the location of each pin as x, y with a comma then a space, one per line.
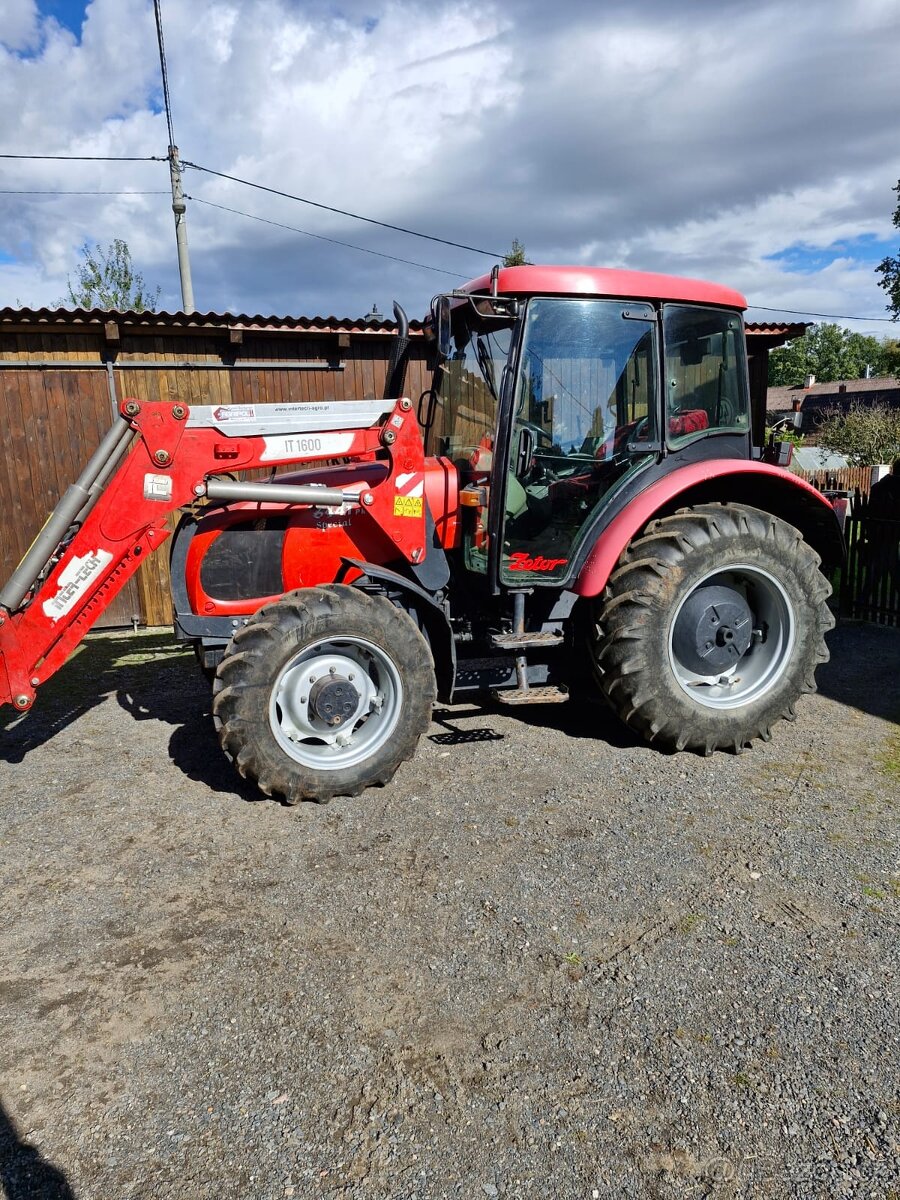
690, 138
18, 24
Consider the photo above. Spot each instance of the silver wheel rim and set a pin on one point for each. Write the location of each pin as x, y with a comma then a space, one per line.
770, 651
307, 738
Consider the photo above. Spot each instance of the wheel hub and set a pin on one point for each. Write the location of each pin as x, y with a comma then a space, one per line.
334, 700
713, 631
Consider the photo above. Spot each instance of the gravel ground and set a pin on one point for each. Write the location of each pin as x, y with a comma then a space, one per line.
545, 961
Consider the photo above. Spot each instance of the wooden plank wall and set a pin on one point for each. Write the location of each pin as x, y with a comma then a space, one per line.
52, 419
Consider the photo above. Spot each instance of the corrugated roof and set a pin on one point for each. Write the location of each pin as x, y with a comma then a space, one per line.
793, 328
200, 321
258, 321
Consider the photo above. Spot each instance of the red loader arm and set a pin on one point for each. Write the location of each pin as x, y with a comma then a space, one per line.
160, 457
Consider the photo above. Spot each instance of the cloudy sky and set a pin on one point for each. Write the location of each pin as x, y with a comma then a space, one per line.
756, 145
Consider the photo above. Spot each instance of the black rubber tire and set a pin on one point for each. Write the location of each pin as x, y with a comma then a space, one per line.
259, 651
655, 574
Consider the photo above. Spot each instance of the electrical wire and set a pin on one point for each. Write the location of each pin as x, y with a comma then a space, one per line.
91, 157
321, 238
165, 74
343, 212
52, 192
825, 316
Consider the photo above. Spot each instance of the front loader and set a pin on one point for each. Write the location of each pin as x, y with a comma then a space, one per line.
580, 503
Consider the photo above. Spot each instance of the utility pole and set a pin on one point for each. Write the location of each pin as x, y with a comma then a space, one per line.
179, 209
178, 205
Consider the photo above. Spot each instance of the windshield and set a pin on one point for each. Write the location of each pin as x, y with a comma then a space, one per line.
468, 386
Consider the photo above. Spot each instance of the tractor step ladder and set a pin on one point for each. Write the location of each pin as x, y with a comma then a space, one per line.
524, 692
532, 695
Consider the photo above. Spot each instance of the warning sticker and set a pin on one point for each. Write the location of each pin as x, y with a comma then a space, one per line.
408, 506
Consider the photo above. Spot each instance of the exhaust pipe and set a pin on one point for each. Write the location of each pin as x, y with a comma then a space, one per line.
396, 371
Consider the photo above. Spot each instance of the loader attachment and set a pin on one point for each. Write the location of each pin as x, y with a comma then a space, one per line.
159, 457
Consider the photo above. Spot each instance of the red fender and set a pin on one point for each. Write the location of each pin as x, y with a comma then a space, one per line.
612, 541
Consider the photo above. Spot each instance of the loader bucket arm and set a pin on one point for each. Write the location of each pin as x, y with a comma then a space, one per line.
158, 457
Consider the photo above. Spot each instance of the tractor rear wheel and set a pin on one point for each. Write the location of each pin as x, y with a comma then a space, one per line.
711, 627
323, 693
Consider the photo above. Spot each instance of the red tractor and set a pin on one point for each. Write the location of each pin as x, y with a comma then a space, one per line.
584, 501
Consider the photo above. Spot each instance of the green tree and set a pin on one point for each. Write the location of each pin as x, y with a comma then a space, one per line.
889, 361
107, 279
889, 270
516, 256
866, 434
827, 351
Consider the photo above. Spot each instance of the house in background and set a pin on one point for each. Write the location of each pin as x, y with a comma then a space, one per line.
812, 402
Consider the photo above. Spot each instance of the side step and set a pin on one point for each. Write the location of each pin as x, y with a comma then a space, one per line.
527, 641
531, 695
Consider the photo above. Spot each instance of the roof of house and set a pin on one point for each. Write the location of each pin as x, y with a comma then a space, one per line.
839, 394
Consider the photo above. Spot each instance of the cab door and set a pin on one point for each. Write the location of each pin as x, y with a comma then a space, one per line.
584, 421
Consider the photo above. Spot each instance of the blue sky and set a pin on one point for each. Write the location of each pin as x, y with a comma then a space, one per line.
69, 13
731, 143
804, 259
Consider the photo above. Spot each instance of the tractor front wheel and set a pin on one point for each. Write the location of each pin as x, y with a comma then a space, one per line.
711, 628
323, 693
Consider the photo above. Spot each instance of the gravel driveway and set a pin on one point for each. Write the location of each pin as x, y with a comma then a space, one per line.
545, 961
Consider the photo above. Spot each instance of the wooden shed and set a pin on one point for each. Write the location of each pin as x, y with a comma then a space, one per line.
63, 373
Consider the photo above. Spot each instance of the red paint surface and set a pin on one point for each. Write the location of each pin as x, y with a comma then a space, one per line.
603, 281
609, 546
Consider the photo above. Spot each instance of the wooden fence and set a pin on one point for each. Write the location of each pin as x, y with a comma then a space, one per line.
848, 479
870, 583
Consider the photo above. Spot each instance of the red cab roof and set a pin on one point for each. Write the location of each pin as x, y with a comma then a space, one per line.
603, 281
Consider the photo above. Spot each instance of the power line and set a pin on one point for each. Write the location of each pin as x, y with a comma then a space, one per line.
164, 71
826, 316
53, 192
89, 157
343, 212
321, 238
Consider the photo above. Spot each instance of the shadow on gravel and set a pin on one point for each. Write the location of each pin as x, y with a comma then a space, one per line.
864, 671
455, 736
102, 666
579, 717
153, 679
24, 1174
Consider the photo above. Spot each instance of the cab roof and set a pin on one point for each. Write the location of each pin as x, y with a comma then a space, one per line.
605, 281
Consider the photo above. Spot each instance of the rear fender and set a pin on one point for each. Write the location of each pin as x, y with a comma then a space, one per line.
756, 484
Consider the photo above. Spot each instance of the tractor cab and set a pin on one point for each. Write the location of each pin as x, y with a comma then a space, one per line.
559, 393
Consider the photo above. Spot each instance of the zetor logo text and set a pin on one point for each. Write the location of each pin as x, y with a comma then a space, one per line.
522, 561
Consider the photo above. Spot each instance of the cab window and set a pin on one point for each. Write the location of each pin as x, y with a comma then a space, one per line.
706, 373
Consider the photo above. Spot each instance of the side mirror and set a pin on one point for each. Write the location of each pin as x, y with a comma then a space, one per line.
441, 315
